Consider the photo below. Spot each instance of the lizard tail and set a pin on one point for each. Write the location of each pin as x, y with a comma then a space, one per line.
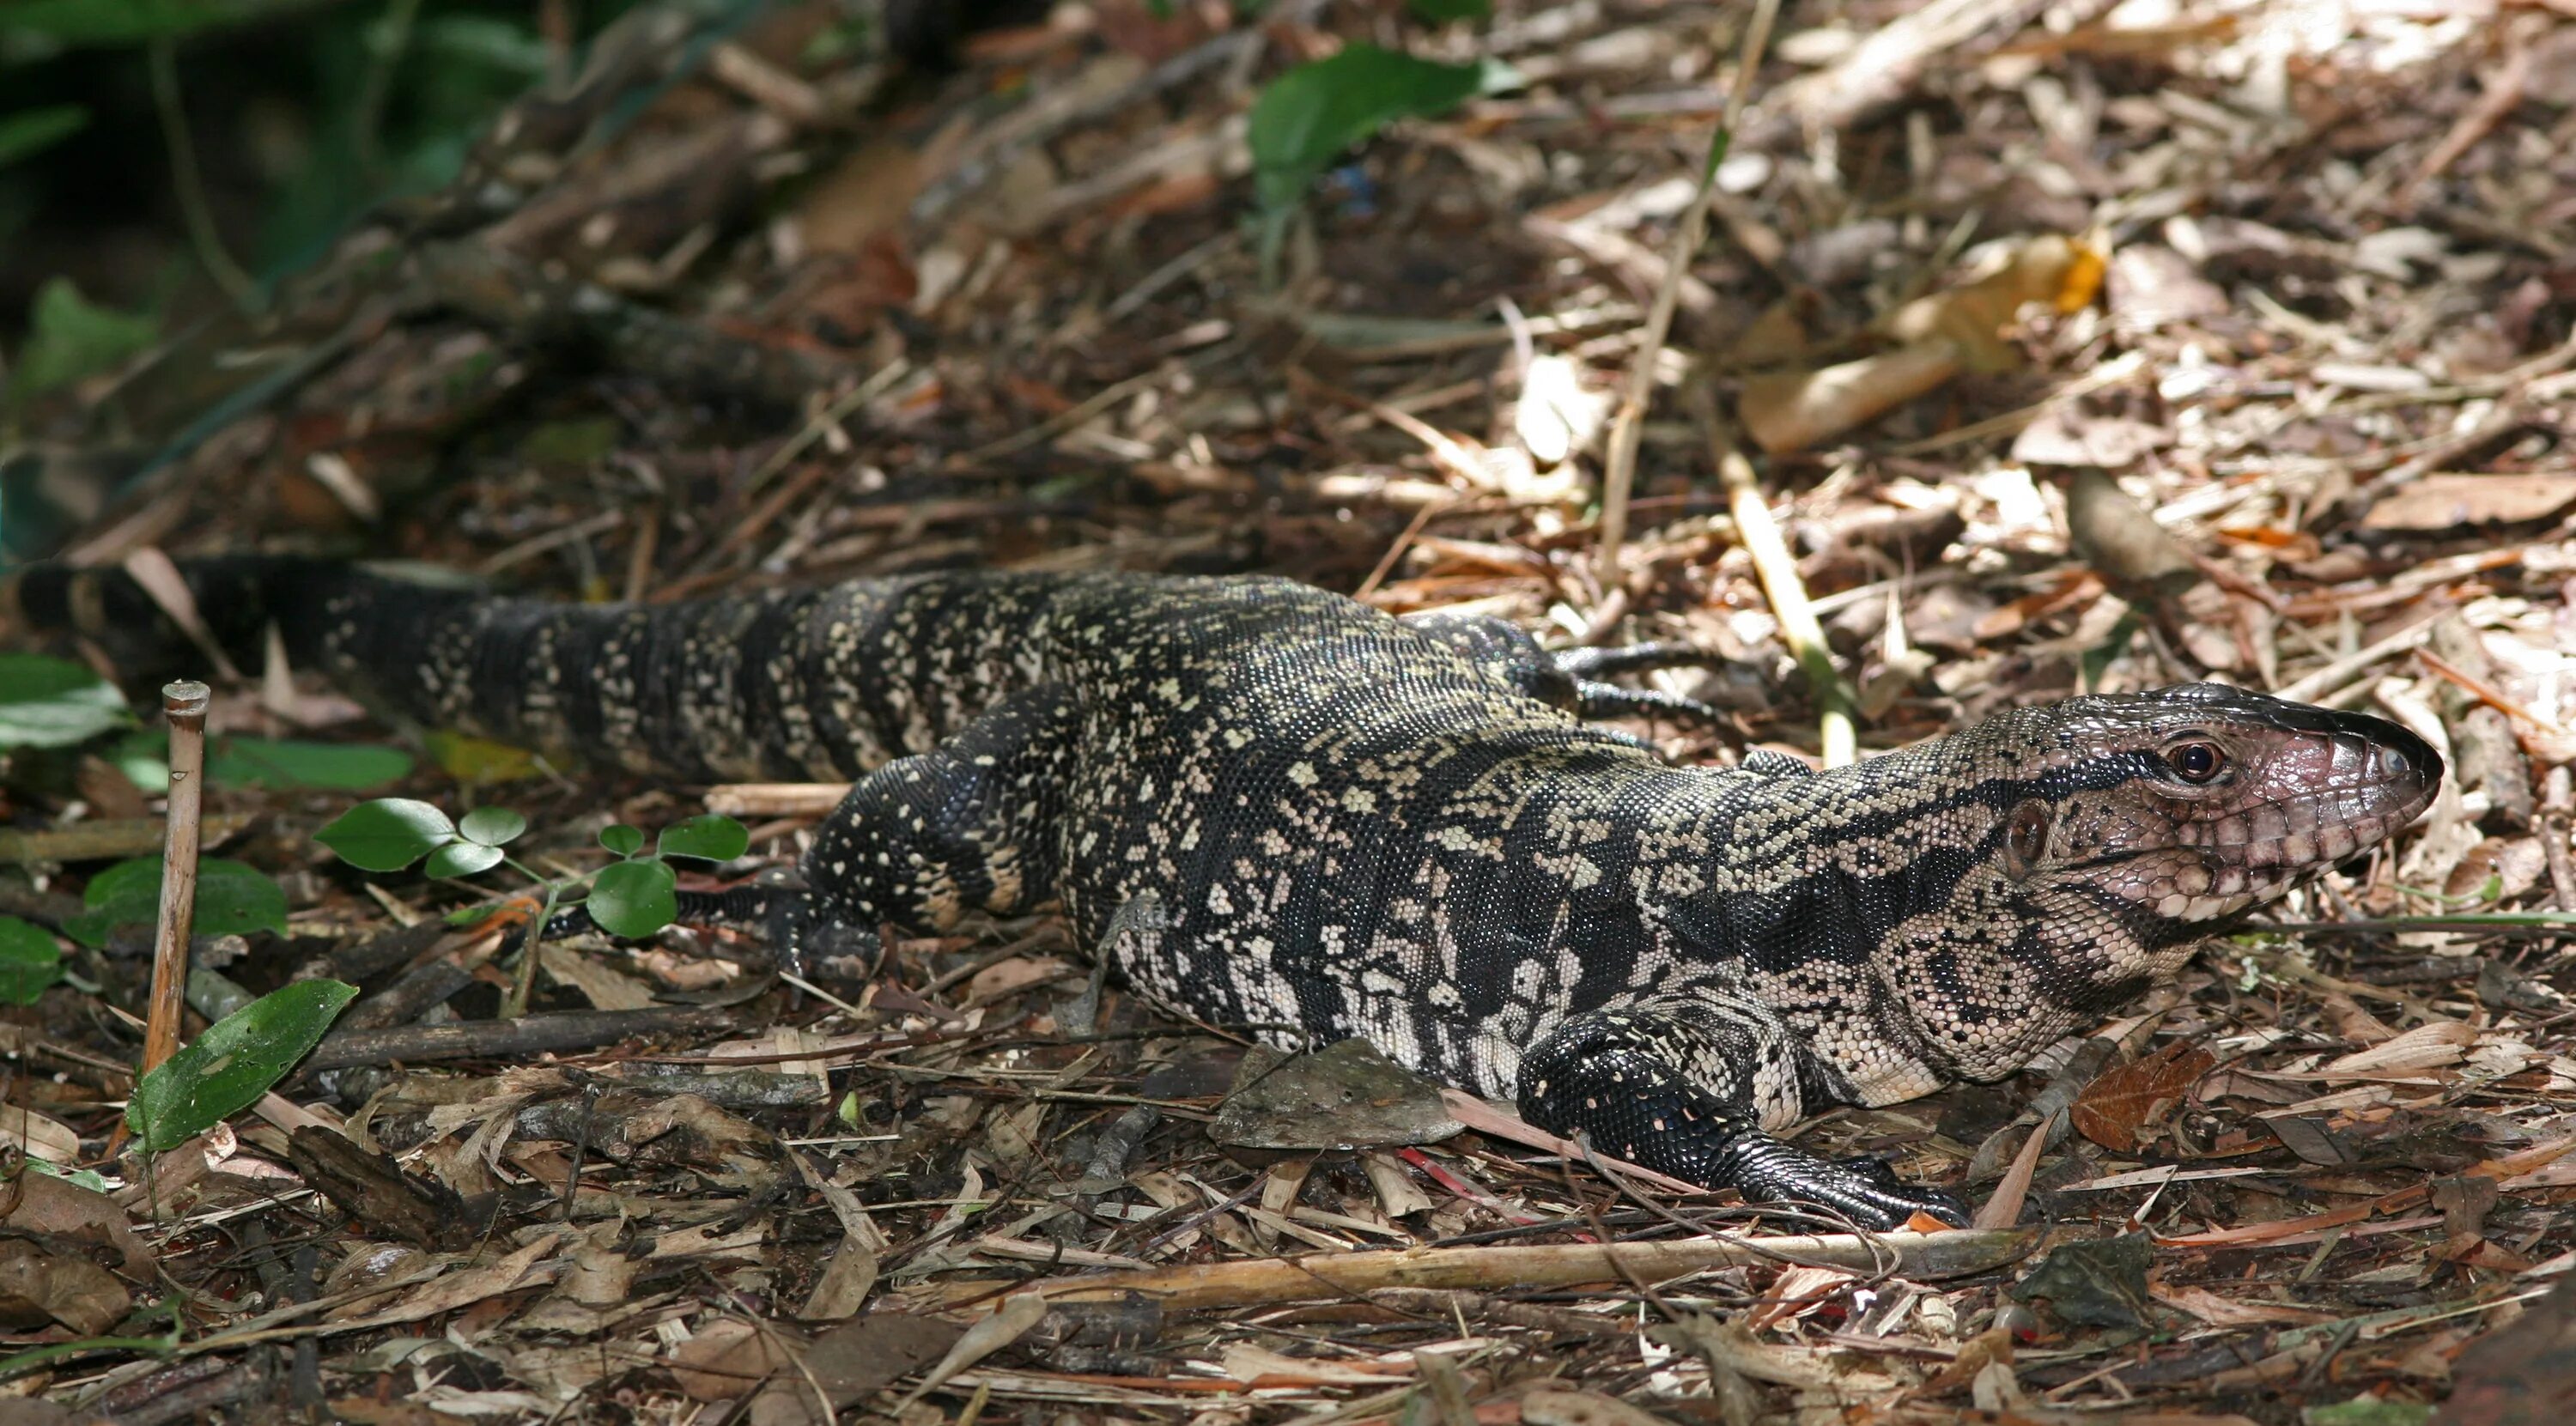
781, 684
239, 599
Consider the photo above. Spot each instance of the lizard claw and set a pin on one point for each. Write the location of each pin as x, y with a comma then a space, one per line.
1594, 699
1902, 1200
1864, 1189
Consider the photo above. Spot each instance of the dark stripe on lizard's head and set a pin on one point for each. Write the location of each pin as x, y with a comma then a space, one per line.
2015, 879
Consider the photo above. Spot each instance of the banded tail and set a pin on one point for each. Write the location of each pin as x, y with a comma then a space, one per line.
820, 684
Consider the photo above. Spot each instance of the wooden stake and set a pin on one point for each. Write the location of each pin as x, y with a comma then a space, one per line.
184, 705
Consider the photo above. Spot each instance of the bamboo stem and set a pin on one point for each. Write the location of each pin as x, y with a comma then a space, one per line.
1760, 536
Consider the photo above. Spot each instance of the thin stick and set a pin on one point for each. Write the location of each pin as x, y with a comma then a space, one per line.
184, 705
1201, 1286
1395, 552
1628, 425
1760, 536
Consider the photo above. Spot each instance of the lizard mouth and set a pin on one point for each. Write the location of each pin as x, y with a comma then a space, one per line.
2312, 790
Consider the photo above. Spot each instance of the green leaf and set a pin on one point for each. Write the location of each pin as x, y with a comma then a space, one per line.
294, 764
90, 1179
143, 755
491, 826
1313, 112
29, 961
387, 834
624, 840
54, 703
1440, 12
232, 900
713, 837
32, 131
233, 1063
634, 899
68, 338
461, 859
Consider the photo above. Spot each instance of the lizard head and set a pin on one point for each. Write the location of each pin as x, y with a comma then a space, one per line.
2075, 852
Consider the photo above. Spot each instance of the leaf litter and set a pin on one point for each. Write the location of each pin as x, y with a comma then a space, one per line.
2092, 347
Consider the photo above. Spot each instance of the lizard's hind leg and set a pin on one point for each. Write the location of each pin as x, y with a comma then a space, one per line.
967, 826
919, 842
1576, 680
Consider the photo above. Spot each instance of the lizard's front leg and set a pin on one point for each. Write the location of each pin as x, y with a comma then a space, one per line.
1683, 1085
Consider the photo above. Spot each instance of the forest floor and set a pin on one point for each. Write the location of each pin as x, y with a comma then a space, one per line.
2078, 348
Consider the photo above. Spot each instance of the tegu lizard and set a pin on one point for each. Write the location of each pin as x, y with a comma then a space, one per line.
1354, 825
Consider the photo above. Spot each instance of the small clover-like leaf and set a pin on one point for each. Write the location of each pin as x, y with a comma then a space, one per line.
387, 834
491, 826
233, 1063
461, 859
29, 961
624, 840
713, 837
634, 899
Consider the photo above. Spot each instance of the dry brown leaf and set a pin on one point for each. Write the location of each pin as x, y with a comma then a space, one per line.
1018, 973
38, 1288
39, 1136
2427, 1046
1567, 1406
2002, 1207
850, 1363
523, 1268
730, 1357
2061, 272
1259, 1366
2124, 1099
35, 1202
864, 197
2220, 1311
2446, 502
1017, 1314
1789, 411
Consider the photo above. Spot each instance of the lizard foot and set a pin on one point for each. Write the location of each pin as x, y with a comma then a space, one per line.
1863, 1189
1590, 669
1617, 1077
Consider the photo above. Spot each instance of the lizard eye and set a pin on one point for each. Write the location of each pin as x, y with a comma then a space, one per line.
2195, 762
2026, 837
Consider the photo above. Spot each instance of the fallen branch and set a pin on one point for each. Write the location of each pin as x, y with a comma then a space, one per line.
1201, 1286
